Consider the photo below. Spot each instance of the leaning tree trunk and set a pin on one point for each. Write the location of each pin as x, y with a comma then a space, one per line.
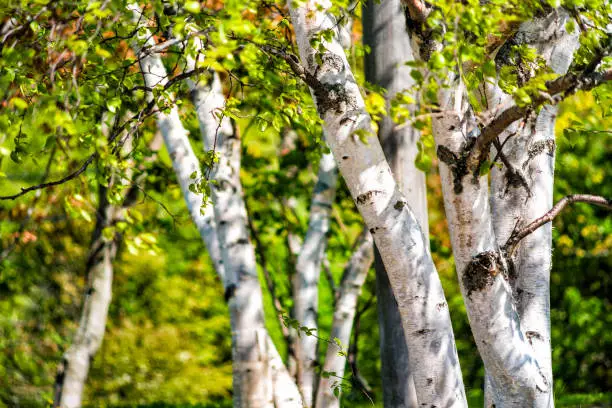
354, 276
514, 373
384, 27
74, 368
522, 190
308, 270
403, 247
257, 364
208, 101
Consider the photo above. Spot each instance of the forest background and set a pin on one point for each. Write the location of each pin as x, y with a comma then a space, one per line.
167, 336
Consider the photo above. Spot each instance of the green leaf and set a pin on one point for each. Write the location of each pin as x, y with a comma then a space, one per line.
192, 7
19, 103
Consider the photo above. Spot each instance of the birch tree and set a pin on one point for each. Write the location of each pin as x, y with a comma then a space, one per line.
354, 276
385, 33
106, 240
260, 379
488, 76
396, 231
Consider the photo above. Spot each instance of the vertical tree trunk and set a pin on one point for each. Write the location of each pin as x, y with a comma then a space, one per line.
529, 150
384, 27
353, 278
250, 346
515, 376
396, 231
308, 270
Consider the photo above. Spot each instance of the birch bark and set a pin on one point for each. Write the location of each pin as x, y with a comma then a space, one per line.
208, 101
308, 270
73, 370
530, 150
353, 278
384, 28
396, 231
256, 362
514, 373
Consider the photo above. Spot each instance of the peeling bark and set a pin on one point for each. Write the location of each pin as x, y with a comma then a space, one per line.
384, 28
353, 278
395, 229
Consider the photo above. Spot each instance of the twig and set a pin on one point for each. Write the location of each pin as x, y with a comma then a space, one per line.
518, 235
55, 182
331, 281
357, 379
269, 280
557, 90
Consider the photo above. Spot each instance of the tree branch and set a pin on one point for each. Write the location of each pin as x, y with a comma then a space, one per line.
276, 301
55, 182
557, 90
519, 234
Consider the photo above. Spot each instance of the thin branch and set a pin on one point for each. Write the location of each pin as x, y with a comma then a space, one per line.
557, 90
169, 43
55, 182
268, 277
519, 234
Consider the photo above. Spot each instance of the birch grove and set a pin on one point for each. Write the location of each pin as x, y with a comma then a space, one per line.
318, 123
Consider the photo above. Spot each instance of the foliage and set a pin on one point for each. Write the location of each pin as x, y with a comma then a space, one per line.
70, 90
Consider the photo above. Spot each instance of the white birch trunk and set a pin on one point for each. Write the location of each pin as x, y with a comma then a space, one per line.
250, 345
531, 151
515, 376
208, 101
308, 270
256, 362
353, 278
384, 26
73, 370
396, 231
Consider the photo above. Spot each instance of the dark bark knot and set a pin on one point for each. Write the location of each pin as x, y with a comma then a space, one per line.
481, 272
533, 335
457, 163
538, 148
373, 230
423, 332
399, 205
230, 291
239, 241
332, 96
363, 198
